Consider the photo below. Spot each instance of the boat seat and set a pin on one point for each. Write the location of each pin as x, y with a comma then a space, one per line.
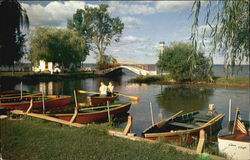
184, 125
201, 120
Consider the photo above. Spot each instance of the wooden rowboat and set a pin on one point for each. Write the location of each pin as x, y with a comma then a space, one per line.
50, 101
93, 113
234, 140
185, 127
236, 146
18, 97
97, 99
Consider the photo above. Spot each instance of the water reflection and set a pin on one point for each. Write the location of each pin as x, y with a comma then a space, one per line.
175, 98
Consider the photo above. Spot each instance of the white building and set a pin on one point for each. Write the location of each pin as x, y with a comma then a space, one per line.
44, 66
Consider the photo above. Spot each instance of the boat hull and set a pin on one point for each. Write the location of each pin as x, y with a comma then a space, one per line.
187, 135
54, 101
96, 99
234, 149
91, 117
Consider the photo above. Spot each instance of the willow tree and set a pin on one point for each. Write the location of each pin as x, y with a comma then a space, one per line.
62, 46
97, 25
12, 18
177, 59
228, 23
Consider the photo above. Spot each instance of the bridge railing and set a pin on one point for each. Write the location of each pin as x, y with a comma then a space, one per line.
141, 66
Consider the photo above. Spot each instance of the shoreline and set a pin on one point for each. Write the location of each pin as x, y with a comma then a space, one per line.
218, 81
156, 79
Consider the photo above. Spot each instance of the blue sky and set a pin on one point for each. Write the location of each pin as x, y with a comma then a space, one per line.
146, 24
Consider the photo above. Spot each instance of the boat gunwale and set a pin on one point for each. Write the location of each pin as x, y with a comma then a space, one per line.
88, 113
50, 99
103, 97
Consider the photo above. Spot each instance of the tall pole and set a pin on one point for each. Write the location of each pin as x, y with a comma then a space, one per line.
229, 110
75, 98
108, 111
43, 102
152, 115
21, 90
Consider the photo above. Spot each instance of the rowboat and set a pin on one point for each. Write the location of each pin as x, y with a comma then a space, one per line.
186, 127
93, 113
49, 101
97, 99
18, 97
235, 143
11, 93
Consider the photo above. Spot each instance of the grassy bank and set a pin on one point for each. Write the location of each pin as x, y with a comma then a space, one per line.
158, 79
40, 140
45, 76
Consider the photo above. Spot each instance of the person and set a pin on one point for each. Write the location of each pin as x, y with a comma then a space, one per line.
103, 89
110, 89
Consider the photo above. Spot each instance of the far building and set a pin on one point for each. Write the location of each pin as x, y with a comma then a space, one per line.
44, 66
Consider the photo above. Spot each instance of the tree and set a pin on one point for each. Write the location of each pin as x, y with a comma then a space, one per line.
177, 60
107, 61
12, 18
62, 46
229, 24
97, 26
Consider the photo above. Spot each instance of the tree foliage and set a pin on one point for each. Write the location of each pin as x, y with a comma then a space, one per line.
63, 46
177, 60
106, 61
12, 18
96, 24
229, 24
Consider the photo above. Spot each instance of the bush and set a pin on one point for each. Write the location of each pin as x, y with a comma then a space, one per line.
184, 63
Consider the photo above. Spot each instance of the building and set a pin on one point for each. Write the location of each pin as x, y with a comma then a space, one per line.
44, 66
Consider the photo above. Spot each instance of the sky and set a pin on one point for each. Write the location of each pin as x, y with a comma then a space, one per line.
146, 24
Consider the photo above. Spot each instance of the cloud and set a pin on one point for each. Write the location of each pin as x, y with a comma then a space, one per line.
130, 9
54, 13
129, 39
131, 22
172, 6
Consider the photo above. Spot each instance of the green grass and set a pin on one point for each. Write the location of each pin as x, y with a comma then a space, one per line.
232, 81
165, 79
33, 139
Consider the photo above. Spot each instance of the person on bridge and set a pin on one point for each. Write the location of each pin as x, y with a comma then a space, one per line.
103, 89
110, 89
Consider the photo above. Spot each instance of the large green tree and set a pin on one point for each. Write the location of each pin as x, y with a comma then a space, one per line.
177, 60
12, 18
229, 29
96, 24
63, 46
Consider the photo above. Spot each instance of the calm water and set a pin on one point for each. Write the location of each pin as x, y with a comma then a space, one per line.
166, 99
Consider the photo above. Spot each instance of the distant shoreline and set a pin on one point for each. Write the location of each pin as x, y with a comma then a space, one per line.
218, 81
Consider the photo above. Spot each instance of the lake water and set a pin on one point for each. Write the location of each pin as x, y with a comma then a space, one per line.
166, 99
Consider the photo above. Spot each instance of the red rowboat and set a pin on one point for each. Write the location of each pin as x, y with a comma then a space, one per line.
93, 113
97, 99
50, 101
17, 98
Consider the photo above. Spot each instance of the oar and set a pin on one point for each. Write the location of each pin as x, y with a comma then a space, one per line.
132, 97
160, 124
82, 91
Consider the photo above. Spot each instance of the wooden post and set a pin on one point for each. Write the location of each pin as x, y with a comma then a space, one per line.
201, 143
43, 102
75, 115
21, 90
229, 110
108, 111
30, 107
152, 115
128, 127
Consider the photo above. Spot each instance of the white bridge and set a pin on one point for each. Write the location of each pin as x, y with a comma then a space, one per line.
140, 69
